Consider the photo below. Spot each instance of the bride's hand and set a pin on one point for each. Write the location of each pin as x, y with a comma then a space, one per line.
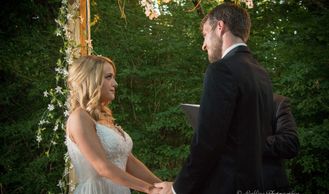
154, 190
166, 187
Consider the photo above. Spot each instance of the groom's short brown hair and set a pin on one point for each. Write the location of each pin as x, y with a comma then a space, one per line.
235, 17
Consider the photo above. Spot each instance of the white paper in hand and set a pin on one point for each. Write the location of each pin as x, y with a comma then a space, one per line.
191, 111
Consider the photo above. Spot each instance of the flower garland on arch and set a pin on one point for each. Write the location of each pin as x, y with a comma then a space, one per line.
154, 8
51, 127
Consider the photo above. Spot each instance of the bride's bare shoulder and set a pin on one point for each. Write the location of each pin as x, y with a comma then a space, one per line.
78, 114
79, 119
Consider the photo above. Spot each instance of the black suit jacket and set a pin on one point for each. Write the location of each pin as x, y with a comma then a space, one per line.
283, 144
234, 121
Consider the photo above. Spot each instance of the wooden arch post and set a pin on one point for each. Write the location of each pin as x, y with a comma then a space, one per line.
79, 28
85, 37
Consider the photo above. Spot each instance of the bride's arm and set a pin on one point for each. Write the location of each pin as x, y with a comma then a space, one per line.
136, 168
81, 129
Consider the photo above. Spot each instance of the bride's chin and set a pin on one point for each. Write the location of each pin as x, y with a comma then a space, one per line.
108, 100
105, 103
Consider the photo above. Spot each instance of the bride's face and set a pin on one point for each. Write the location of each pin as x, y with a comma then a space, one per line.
109, 84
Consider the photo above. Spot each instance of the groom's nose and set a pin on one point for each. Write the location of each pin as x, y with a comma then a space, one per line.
204, 47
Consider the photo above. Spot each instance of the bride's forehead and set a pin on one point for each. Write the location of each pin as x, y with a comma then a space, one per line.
108, 67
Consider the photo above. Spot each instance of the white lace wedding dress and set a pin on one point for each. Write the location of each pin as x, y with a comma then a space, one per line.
117, 149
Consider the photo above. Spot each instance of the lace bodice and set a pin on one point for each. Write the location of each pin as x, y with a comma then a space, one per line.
117, 149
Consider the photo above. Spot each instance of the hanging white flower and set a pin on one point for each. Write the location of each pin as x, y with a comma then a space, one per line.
58, 69
58, 32
61, 184
68, 51
69, 16
45, 93
151, 8
66, 157
51, 107
76, 5
68, 35
70, 61
58, 90
39, 138
72, 188
53, 142
66, 113
66, 171
65, 72
249, 3
42, 122
59, 22
56, 127
67, 104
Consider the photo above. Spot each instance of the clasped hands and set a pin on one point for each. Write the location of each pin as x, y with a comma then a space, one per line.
162, 188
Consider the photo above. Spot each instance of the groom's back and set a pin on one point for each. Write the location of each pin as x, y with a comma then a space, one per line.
240, 161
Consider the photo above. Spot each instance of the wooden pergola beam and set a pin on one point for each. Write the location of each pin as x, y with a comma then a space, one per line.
80, 30
85, 39
80, 27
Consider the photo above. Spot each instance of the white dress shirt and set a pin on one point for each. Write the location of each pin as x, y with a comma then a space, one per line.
232, 47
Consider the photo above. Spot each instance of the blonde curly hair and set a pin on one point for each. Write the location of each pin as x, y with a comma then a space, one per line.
84, 82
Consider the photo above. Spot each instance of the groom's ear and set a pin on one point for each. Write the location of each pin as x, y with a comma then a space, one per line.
220, 27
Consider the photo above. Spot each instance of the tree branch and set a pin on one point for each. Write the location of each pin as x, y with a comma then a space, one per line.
197, 6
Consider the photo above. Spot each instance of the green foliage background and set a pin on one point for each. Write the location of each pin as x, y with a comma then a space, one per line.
160, 65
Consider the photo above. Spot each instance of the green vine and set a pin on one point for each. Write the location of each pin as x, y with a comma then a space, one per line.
51, 127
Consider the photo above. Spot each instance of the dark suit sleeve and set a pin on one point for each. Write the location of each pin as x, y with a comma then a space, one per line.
216, 110
284, 143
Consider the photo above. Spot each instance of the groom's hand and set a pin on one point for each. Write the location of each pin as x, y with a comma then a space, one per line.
166, 187
154, 190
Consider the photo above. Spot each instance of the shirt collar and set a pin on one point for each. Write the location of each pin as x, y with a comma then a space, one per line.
232, 47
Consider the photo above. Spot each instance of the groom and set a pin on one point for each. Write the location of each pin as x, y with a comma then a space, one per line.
235, 112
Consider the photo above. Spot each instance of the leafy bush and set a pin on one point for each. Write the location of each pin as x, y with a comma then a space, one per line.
297, 56
29, 50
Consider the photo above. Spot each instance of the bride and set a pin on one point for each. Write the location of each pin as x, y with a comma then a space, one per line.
99, 149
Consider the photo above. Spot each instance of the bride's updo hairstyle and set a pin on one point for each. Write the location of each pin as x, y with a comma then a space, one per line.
84, 82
